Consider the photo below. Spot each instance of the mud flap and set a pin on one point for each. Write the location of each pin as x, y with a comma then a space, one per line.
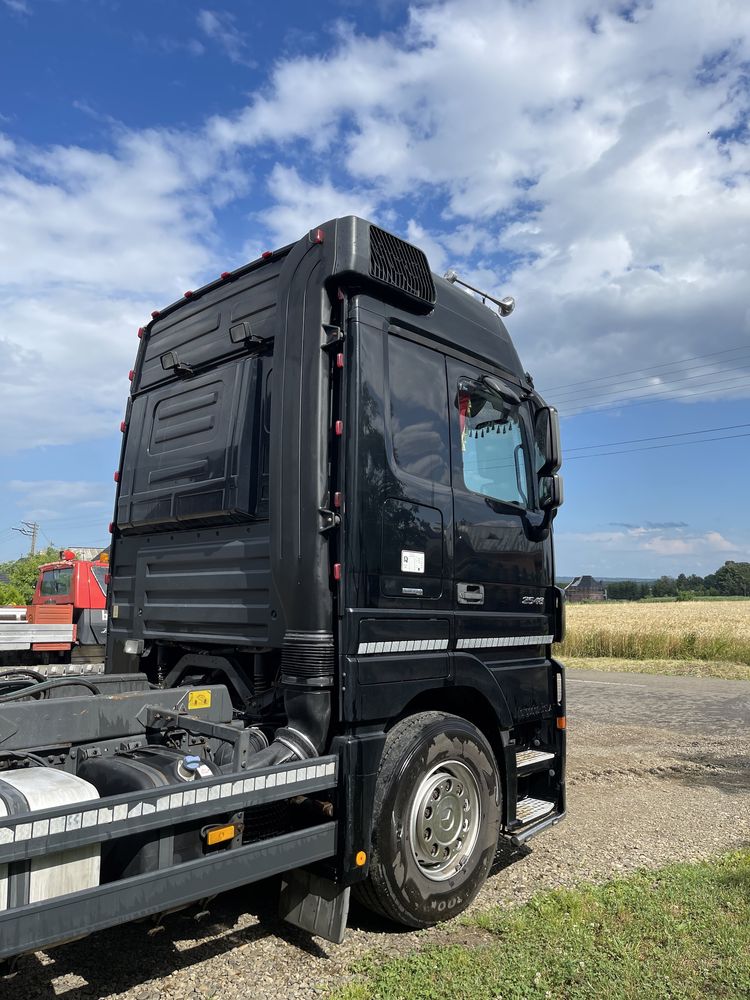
314, 904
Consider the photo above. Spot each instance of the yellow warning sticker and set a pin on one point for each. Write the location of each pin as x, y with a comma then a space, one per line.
199, 699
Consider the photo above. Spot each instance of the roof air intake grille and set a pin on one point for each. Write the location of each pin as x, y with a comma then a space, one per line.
401, 265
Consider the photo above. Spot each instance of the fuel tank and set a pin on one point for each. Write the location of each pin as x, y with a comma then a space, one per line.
29, 789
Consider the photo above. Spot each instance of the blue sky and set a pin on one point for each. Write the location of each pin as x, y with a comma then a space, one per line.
591, 159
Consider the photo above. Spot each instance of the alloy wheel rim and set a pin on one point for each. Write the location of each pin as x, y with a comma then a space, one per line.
445, 820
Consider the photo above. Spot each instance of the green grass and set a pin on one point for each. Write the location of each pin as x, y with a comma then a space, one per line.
681, 933
672, 668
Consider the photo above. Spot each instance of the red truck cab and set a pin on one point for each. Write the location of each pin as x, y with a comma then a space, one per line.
75, 582
72, 591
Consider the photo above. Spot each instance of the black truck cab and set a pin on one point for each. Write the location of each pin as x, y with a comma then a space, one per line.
330, 615
335, 497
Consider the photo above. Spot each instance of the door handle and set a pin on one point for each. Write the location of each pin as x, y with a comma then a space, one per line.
470, 593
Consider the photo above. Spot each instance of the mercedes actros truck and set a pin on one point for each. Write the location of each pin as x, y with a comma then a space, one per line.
330, 616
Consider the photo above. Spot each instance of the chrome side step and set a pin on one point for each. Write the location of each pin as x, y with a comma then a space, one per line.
525, 835
527, 758
529, 810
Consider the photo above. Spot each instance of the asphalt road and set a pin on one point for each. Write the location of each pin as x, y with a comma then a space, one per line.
685, 704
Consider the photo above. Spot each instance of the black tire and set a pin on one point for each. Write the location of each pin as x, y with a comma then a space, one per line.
432, 750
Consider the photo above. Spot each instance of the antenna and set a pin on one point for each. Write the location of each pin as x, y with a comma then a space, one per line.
504, 306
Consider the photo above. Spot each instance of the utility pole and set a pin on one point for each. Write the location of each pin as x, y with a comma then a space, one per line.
30, 529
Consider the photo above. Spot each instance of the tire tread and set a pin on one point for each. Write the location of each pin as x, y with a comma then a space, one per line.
374, 893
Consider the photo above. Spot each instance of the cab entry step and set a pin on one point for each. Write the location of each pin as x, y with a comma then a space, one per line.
529, 758
529, 810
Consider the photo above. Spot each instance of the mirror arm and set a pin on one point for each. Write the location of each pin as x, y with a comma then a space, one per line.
539, 522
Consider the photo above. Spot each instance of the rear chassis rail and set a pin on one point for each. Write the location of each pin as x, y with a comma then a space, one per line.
53, 921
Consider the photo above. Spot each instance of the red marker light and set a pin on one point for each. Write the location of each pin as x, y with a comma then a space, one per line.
266, 254
111, 527
107, 578
339, 360
123, 425
339, 428
188, 294
117, 477
225, 274
318, 236
131, 374
336, 499
140, 332
155, 314
337, 571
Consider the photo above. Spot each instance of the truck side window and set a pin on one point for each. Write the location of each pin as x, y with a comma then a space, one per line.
100, 575
419, 410
493, 455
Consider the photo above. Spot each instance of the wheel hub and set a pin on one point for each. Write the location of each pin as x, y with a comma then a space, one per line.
445, 819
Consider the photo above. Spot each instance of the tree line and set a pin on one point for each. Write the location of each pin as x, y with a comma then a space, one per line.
730, 580
18, 578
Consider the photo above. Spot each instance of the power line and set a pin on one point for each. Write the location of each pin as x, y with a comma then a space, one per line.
660, 386
651, 397
656, 437
630, 451
656, 447
636, 371
668, 378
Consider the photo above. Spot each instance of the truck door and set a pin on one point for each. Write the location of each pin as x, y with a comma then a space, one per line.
400, 556
417, 514
503, 577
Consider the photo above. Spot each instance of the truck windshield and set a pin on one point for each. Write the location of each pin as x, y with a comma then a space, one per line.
56, 582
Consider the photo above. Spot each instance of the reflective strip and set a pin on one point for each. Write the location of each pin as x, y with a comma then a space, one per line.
174, 801
404, 646
493, 641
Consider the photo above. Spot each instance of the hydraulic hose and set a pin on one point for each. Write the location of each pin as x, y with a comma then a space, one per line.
22, 672
35, 689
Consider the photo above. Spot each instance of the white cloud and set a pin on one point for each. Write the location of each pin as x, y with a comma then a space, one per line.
299, 204
642, 550
711, 541
599, 153
48, 501
221, 27
607, 157
90, 242
18, 7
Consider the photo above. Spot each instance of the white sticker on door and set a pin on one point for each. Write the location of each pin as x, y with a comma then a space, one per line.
412, 562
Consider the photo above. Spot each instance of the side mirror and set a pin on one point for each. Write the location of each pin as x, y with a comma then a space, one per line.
551, 492
550, 498
547, 433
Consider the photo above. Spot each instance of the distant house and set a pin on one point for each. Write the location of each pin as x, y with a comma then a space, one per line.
587, 589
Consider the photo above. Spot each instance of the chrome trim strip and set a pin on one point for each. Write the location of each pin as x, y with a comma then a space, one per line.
402, 646
494, 641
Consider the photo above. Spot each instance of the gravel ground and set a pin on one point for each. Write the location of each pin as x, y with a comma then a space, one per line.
639, 796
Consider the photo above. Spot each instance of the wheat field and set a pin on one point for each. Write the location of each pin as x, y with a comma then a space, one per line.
682, 630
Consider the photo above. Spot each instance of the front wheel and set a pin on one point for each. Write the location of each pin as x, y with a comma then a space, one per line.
436, 820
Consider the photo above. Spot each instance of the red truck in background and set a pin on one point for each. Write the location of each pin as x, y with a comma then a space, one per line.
65, 625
